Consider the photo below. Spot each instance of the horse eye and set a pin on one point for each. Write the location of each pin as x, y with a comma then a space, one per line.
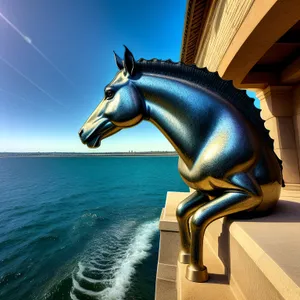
109, 94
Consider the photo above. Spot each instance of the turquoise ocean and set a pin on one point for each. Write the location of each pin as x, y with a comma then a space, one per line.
82, 227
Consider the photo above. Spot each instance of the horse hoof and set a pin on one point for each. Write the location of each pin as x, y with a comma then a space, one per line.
196, 275
184, 257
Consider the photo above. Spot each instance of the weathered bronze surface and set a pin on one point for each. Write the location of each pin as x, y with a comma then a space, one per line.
225, 152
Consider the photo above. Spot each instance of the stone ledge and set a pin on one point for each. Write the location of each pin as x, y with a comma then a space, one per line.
261, 257
216, 288
168, 225
267, 249
168, 220
172, 201
165, 288
273, 243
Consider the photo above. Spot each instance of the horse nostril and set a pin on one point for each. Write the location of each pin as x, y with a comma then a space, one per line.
80, 132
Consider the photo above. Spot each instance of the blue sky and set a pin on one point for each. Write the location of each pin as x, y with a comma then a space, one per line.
58, 58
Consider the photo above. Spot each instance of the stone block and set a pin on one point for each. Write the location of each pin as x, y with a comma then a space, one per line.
169, 247
289, 159
165, 290
282, 132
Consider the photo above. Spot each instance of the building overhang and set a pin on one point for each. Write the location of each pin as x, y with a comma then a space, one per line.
264, 50
196, 15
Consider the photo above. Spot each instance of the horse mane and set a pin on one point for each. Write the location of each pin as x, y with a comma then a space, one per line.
214, 83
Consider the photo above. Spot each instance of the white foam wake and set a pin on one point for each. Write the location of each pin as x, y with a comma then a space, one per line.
136, 252
117, 279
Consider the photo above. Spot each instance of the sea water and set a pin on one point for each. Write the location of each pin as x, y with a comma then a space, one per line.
82, 227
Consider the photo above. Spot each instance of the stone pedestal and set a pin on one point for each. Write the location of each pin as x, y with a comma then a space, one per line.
246, 260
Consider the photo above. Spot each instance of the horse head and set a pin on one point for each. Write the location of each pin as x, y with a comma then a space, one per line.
122, 106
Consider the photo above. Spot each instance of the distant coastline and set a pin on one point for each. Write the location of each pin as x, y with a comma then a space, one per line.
86, 154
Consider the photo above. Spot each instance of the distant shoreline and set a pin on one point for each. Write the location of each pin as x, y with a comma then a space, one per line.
78, 154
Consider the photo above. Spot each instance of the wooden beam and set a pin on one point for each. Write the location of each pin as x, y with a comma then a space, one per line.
291, 74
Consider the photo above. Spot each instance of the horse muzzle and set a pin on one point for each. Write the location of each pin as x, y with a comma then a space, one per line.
92, 141
92, 136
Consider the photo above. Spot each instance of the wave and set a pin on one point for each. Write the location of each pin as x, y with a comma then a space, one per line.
19, 210
107, 269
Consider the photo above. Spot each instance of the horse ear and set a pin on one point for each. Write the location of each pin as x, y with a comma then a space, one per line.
129, 62
118, 61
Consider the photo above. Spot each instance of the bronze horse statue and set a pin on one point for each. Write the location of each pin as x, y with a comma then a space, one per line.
225, 152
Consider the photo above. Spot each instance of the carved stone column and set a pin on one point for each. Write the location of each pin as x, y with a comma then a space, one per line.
278, 110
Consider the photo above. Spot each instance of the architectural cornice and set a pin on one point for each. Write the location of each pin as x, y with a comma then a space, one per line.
195, 18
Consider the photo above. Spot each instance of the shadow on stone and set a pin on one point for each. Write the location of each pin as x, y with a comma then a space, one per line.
224, 249
284, 212
217, 279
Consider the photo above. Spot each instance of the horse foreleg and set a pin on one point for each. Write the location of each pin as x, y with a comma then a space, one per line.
184, 211
231, 202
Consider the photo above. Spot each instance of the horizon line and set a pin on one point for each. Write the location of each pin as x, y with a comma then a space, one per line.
158, 151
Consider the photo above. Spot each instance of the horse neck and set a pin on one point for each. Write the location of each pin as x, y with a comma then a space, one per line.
178, 110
